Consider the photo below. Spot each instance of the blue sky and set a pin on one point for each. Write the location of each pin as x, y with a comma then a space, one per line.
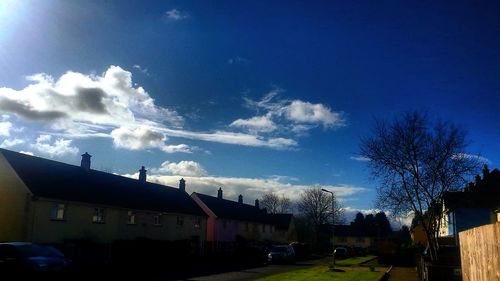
253, 96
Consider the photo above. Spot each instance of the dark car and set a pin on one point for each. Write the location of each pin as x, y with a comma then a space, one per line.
281, 254
24, 257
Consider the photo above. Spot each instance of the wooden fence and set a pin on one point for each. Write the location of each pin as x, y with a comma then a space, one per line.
480, 253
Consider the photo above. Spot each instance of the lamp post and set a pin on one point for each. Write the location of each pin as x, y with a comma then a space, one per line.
333, 225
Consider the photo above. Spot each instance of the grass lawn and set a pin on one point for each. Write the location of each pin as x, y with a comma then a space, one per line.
320, 273
353, 261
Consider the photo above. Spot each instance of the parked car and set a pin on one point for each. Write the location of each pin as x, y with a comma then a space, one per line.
281, 254
341, 253
25, 257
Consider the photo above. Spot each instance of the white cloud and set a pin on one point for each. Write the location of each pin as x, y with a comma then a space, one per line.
176, 15
295, 116
11, 142
306, 112
234, 138
141, 69
144, 138
256, 124
183, 168
5, 128
59, 147
359, 158
27, 152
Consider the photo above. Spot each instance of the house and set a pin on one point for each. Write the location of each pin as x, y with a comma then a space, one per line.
284, 228
46, 201
478, 204
229, 220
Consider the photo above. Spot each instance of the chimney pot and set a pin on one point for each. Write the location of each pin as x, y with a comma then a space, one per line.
219, 193
182, 185
142, 174
486, 171
240, 199
257, 203
86, 161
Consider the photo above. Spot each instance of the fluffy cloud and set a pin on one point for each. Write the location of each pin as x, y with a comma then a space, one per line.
256, 124
59, 147
183, 168
306, 112
295, 116
176, 15
143, 138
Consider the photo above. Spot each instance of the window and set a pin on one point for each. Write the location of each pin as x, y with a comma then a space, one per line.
264, 228
157, 220
246, 226
98, 215
180, 221
271, 229
224, 224
57, 212
197, 222
131, 217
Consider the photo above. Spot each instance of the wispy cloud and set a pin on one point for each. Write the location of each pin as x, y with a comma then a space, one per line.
141, 69
359, 158
176, 15
238, 60
475, 157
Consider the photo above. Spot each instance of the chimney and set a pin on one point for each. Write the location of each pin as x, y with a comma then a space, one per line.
257, 203
142, 174
182, 185
478, 180
219, 193
240, 199
86, 161
486, 171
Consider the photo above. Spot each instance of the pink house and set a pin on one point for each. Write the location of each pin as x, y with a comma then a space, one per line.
228, 219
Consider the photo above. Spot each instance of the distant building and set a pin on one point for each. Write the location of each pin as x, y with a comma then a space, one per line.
51, 202
478, 204
229, 220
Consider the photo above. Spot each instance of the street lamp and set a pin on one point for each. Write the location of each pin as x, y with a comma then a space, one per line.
333, 224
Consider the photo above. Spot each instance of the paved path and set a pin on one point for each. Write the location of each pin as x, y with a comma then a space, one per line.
254, 273
403, 274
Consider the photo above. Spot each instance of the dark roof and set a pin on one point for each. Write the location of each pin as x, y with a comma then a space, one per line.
51, 179
228, 209
281, 221
483, 194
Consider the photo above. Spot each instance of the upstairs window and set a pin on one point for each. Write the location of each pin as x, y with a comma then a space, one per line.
246, 226
98, 215
180, 221
58, 212
197, 222
131, 217
157, 219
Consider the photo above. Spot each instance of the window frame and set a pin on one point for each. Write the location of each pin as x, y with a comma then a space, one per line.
131, 218
54, 212
99, 216
157, 220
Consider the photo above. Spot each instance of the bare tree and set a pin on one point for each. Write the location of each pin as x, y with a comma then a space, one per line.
417, 159
316, 206
275, 204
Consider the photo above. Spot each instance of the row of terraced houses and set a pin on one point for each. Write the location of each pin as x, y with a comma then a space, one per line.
46, 201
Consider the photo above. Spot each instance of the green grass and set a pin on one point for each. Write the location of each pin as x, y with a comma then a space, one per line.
319, 273
353, 261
